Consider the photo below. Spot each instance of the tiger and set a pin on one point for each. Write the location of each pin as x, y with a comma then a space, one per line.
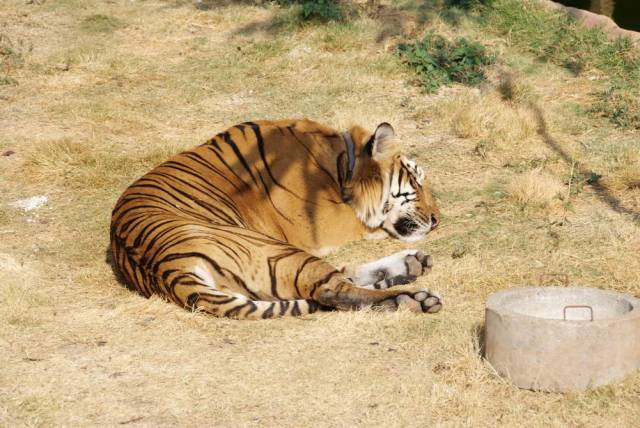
237, 226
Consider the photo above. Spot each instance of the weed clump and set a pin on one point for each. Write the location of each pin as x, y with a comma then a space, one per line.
534, 188
494, 124
439, 62
626, 171
316, 10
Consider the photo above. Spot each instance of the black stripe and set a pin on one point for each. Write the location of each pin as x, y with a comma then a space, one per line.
284, 305
322, 281
263, 156
295, 311
299, 271
273, 266
227, 139
269, 312
205, 163
368, 148
217, 151
192, 299
254, 307
237, 309
336, 181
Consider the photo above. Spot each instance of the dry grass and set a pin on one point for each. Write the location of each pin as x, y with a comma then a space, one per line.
477, 116
92, 110
535, 188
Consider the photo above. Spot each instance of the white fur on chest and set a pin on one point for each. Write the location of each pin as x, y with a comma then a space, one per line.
378, 234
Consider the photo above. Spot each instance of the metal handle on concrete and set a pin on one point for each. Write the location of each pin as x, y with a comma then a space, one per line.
564, 311
564, 278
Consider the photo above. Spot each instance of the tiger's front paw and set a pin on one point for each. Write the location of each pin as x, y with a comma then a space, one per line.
397, 269
418, 264
415, 264
420, 301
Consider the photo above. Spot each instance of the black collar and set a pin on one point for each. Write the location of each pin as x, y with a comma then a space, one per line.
351, 154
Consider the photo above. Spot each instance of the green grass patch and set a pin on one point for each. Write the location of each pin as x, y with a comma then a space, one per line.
551, 36
439, 62
555, 37
620, 103
263, 50
11, 57
99, 23
342, 37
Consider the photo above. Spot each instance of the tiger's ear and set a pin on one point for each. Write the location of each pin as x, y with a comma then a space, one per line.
382, 144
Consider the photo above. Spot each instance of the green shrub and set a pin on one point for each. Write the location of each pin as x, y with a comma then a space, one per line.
325, 10
317, 10
439, 62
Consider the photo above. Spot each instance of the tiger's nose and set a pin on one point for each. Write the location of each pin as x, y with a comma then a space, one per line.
435, 221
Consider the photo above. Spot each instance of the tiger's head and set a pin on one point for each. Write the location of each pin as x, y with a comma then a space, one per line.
387, 190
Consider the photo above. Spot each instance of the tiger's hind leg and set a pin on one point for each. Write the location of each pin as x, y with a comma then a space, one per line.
299, 284
218, 292
235, 272
233, 306
397, 269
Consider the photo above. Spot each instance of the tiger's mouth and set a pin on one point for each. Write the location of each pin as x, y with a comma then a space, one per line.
411, 229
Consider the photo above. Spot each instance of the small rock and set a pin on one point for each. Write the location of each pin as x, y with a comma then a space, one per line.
298, 52
30, 204
8, 153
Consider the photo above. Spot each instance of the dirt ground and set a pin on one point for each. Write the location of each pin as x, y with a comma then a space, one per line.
96, 93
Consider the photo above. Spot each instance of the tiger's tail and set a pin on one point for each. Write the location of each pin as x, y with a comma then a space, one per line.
242, 308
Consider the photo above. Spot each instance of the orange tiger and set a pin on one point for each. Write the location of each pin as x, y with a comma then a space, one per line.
236, 226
